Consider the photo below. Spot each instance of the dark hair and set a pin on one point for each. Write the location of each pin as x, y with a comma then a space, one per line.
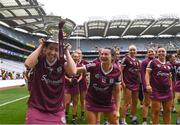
46, 44
178, 52
113, 53
168, 57
159, 46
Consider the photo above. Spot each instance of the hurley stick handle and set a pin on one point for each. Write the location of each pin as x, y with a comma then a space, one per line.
60, 37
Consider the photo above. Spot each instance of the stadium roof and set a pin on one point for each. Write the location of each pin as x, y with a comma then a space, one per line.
29, 15
123, 27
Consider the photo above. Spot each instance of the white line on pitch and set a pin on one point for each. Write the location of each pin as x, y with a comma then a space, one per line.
14, 100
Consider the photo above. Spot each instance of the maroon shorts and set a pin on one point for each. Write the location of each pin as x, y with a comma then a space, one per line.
161, 96
72, 89
83, 85
133, 87
177, 86
34, 116
99, 108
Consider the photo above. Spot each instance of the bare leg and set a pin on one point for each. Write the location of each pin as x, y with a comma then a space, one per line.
155, 111
167, 112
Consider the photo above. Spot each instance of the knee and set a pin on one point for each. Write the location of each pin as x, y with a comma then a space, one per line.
75, 101
156, 112
167, 111
126, 104
146, 104
67, 103
82, 100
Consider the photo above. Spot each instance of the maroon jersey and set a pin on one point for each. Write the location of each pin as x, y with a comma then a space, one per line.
131, 73
83, 82
143, 71
84, 62
177, 70
81, 63
96, 60
99, 94
117, 62
30, 78
72, 87
177, 74
73, 83
159, 80
47, 86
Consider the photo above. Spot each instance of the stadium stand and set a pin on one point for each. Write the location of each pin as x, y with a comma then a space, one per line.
23, 22
89, 45
10, 65
120, 31
19, 36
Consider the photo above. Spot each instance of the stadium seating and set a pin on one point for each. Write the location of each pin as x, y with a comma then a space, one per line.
10, 65
18, 36
90, 45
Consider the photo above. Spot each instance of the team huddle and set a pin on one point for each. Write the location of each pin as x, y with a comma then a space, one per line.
53, 84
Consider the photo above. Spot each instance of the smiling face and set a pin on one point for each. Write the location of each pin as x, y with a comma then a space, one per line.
52, 51
161, 53
150, 53
132, 50
78, 51
173, 58
105, 56
76, 57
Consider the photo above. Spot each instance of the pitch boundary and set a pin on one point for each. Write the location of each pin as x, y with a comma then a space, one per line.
6, 103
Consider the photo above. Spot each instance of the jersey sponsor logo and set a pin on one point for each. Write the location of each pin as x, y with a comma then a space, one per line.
160, 73
59, 69
50, 69
133, 70
97, 88
49, 81
136, 63
111, 81
168, 67
97, 76
103, 79
91, 65
158, 65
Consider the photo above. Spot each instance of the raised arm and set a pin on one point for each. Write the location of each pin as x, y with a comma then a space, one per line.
32, 59
81, 70
70, 66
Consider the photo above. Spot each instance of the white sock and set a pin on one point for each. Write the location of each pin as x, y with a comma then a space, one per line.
134, 118
178, 120
123, 120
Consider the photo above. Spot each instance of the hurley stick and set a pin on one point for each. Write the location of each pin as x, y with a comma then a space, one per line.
61, 44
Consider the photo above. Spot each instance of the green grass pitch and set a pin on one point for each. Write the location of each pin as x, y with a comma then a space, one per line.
14, 112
